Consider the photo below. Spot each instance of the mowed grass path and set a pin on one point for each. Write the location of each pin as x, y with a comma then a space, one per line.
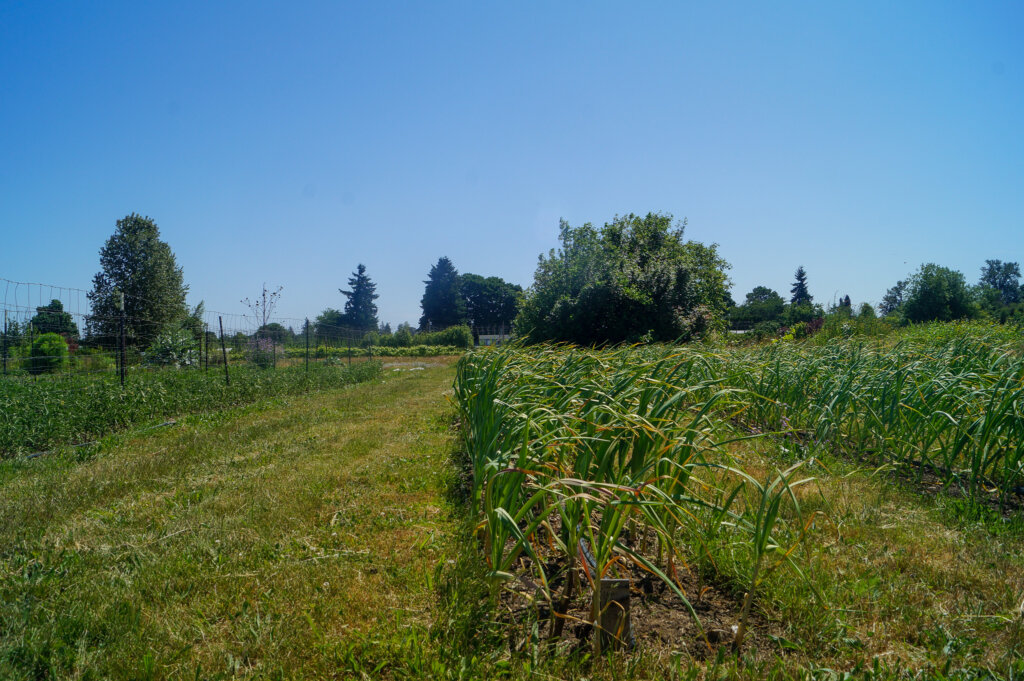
267, 541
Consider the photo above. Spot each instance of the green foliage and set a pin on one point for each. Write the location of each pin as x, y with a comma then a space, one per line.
442, 301
360, 310
635, 278
800, 294
175, 346
402, 338
762, 305
893, 300
1004, 278
458, 336
342, 353
38, 414
866, 311
936, 293
329, 324
49, 354
274, 332
490, 302
135, 262
53, 319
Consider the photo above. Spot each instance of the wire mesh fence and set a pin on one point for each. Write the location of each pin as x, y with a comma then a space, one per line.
117, 345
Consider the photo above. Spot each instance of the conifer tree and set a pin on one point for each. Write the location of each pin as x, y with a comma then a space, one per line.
801, 296
360, 310
442, 301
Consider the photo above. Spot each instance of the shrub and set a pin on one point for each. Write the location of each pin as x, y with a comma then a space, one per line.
174, 346
261, 352
49, 354
459, 336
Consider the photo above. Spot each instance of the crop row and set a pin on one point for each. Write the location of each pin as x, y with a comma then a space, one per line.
592, 465
36, 415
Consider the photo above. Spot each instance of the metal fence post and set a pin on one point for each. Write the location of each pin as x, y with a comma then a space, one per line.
224, 351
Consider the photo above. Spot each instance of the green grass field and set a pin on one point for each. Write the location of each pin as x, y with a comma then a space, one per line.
356, 532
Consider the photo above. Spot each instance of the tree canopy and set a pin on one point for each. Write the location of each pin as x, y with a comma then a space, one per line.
360, 310
936, 293
635, 278
136, 263
1003, 277
53, 319
442, 301
490, 302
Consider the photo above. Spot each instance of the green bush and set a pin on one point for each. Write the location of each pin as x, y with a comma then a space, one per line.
49, 354
459, 336
174, 346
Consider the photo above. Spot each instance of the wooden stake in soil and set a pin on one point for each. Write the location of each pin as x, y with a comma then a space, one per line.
224, 351
610, 613
307, 344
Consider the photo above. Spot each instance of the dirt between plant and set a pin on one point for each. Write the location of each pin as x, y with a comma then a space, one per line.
659, 619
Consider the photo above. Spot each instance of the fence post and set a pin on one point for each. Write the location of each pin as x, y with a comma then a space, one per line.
307, 343
273, 353
350, 352
206, 344
124, 350
224, 351
5, 343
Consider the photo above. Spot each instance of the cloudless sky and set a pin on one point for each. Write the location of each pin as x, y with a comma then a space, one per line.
287, 142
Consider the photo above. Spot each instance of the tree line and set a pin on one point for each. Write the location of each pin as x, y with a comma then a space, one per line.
634, 279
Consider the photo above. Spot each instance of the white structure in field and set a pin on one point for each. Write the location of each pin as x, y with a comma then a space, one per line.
493, 338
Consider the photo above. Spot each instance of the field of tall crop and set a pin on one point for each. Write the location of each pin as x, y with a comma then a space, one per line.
627, 471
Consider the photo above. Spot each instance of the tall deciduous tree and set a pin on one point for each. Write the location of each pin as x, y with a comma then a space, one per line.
801, 296
53, 319
490, 302
360, 310
634, 279
137, 263
1003, 277
442, 301
936, 293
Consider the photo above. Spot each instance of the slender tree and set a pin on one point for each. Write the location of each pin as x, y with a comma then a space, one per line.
442, 301
360, 310
801, 296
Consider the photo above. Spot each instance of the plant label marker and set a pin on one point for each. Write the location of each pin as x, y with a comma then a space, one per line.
611, 615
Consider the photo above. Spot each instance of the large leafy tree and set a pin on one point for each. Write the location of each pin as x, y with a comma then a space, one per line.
633, 279
800, 294
490, 302
53, 319
360, 310
329, 325
442, 301
1003, 277
762, 304
137, 263
936, 293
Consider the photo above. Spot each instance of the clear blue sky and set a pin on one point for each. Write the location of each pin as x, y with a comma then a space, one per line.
288, 142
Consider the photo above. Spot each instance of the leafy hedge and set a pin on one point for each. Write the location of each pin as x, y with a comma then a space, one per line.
38, 414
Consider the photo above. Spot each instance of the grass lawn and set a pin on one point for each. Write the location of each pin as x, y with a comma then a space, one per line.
260, 541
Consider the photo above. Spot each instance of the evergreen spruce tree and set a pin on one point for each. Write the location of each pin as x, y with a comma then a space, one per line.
360, 310
442, 301
801, 296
